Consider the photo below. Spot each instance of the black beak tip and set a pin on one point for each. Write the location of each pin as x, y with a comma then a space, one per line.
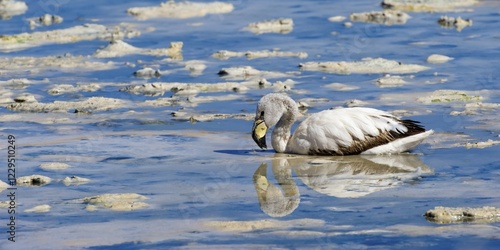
260, 142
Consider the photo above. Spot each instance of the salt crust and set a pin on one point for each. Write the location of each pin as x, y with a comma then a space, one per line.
355, 103
54, 166
118, 48
366, 65
195, 117
387, 17
441, 96
248, 72
4, 204
341, 87
74, 34
195, 67
445, 215
226, 54
448, 140
3, 185
436, 58
33, 180
39, 209
246, 226
10, 8
21, 82
67, 88
45, 20
457, 23
67, 63
89, 104
446, 95
482, 144
282, 26
336, 18
189, 100
475, 108
114, 202
429, 5
25, 97
148, 72
181, 10
390, 81
159, 88
74, 180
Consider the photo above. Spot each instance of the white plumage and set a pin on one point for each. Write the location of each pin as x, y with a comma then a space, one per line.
341, 131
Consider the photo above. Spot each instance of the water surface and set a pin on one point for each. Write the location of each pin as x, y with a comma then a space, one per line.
208, 186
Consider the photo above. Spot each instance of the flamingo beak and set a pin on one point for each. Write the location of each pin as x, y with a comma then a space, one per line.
259, 133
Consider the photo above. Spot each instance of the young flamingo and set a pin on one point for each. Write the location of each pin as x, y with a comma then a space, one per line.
343, 131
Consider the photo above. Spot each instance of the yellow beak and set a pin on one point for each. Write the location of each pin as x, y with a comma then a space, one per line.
259, 133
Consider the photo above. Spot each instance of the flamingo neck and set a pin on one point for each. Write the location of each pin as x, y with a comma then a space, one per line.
281, 132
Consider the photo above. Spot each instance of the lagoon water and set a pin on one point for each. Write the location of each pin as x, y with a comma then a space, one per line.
206, 183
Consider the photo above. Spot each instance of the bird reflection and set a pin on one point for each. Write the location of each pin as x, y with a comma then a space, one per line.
274, 201
341, 176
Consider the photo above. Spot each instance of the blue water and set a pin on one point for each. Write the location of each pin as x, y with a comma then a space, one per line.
195, 173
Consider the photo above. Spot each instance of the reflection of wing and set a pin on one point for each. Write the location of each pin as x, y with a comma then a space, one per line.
273, 201
357, 176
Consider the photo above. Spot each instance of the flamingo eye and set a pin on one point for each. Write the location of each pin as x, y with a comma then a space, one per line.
262, 113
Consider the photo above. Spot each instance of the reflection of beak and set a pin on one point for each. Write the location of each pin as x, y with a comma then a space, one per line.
259, 133
260, 180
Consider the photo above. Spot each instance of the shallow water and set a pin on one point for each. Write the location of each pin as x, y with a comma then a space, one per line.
207, 184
